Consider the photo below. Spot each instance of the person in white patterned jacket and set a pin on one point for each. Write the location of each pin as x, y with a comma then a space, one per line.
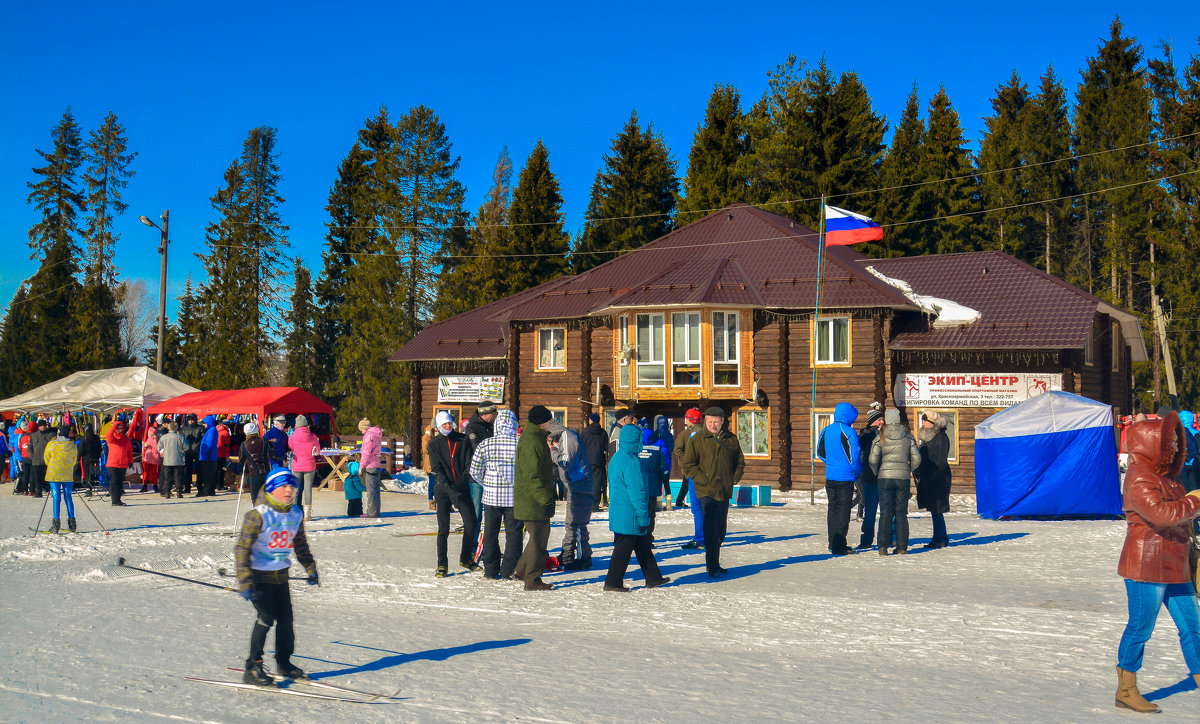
494, 466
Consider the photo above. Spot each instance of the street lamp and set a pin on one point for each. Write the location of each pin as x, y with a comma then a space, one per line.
162, 281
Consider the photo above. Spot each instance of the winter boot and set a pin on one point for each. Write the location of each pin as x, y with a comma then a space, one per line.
255, 675
291, 671
55, 525
1128, 696
71, 525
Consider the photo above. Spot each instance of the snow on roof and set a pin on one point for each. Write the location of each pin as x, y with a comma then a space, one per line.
946, 313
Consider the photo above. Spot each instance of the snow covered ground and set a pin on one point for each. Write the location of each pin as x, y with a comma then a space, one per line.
1016, 621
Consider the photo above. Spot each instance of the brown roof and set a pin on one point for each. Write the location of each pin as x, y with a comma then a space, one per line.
738, 256
1020, 306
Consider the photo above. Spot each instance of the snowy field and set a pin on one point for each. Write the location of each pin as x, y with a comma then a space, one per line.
1016, 621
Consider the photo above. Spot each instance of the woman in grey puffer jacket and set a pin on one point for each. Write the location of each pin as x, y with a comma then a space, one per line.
893, 458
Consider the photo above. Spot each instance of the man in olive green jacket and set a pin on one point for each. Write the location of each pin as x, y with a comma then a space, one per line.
713, 459
533, 497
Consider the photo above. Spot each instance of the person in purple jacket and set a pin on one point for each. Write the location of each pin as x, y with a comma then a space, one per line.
371, 467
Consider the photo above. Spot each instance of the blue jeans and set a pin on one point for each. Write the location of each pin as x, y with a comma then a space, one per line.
61, 491
939, 529
697, 515
477, 499
870, 503
1145, 600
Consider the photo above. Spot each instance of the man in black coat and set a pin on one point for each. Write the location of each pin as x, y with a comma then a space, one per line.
193, 433
450, 462
479, 428
595, 442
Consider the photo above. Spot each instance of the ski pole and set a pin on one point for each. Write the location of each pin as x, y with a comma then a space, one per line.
225, 573
241, 485
121, 562
39, 523
84, 501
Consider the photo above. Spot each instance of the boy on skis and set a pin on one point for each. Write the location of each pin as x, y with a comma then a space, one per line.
270, 533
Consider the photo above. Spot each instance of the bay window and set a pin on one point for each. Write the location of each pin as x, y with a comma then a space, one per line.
685, 349
651, 357
726, 346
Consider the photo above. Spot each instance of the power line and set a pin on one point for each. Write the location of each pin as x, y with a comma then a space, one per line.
444, 257
810, 199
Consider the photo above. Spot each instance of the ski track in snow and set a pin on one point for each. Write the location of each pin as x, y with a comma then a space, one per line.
1016, 621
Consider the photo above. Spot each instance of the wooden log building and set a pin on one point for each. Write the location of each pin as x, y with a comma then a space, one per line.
721, 312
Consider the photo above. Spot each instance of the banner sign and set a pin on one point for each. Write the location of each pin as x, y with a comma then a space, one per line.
467, 388
972, 389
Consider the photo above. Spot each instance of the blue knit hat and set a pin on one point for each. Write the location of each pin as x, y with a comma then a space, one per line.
279, 477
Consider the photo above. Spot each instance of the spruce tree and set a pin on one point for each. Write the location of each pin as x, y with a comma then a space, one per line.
1112, 112
471, 272
97, 343
108, 173
779, 160
899, 178
351, 227
56, 194
246, 245
193, 339
47, 339
1002, 177
715, 164
431, 200
1048, 172
946, 164
537, 228
299, 340
633, 197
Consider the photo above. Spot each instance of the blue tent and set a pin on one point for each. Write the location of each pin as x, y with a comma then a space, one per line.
1054, 454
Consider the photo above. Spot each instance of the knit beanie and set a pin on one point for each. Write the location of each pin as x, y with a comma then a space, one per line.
539, 414
279, 477
891, 417
364, 425
874, 415
301, 421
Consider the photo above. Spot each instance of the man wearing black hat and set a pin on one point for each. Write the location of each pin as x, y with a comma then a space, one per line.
533, 496
595, 442
193, 433
624, 416
868, 486
713, 459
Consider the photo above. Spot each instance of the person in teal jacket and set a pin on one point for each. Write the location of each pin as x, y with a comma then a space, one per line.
353, 488
629, 494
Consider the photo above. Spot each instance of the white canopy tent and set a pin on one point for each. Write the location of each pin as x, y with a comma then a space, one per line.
99, 390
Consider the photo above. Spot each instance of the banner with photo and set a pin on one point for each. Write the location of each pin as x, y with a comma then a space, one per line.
972, 389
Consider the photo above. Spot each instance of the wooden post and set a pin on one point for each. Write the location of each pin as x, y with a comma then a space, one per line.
783, 407
585, 382
880, 369
391, 458
512, 385
414, 411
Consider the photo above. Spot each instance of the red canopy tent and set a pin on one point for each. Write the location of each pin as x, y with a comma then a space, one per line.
261, 401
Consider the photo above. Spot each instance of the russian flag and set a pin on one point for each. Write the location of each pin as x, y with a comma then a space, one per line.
846, 227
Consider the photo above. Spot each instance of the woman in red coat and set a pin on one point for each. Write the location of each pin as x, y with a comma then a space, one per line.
1154, 561
120, 457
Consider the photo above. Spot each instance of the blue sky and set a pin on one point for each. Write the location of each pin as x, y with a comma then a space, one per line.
188, 80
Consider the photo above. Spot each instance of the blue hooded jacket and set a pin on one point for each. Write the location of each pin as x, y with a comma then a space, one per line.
208, 445
1188, 418
666, 440
838, 446
628, 493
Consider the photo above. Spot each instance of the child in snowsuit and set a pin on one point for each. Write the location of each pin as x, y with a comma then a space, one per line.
270, 533
354, 489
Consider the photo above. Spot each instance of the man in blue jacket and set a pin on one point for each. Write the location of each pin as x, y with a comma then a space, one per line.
838, 449
206, 482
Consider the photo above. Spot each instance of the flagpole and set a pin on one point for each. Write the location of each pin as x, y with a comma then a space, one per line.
812, 416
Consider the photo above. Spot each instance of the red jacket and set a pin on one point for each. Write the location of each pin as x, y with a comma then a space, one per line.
120, 449
1157, 508
222, 440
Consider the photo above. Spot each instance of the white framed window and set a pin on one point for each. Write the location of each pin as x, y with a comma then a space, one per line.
624, 351
833, 341
651, 356
685, 349
951, 418
820, 420
754, 431
552, 348
726, 349
558, 414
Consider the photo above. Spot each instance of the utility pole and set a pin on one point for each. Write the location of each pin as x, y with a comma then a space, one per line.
162, 281
1160, 327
